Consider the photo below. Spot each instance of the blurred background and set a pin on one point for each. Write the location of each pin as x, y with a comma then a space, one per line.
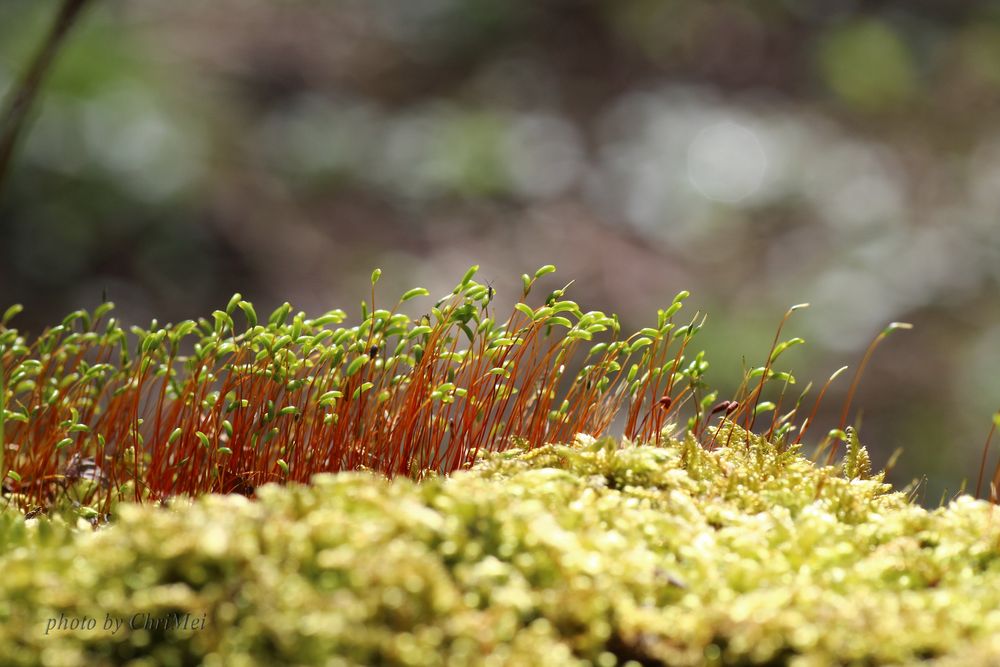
840, 152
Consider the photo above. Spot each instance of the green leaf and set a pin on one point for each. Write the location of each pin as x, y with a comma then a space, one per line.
467, 277
542, 313
233, 302
329, 397
784, 376
639, 344
365, 386
249, 312
763, 407
632, 371
544, 271
476, 292
526, 309
781, 347
418, 331
10, 314
222, 322
332, 317
356, 365
103, 310
15, 416
278, 316
414, 293
894, 326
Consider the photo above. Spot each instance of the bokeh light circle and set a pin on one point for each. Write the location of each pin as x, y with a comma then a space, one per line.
726, 162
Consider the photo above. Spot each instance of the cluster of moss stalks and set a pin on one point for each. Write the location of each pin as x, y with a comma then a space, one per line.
96, 413
595, 552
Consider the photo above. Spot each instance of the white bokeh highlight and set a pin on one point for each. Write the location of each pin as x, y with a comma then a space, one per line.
726, 162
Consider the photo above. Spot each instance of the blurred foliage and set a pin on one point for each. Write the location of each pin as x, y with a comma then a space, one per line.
843, 153
868, 66
591, 553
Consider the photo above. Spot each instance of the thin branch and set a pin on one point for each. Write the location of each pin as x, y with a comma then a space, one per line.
24, 92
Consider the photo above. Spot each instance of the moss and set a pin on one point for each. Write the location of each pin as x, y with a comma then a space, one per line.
590, 553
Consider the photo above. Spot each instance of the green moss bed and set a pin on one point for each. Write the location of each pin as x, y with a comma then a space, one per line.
589, 553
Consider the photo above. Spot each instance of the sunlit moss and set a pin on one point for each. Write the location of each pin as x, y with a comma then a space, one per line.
590, 553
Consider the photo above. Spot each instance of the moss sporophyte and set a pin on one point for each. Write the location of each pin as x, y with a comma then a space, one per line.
478, 514
93, 414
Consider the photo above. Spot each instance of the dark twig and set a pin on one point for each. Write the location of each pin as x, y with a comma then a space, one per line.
24, 92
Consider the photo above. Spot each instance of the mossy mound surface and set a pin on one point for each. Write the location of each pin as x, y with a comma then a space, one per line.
590, 553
